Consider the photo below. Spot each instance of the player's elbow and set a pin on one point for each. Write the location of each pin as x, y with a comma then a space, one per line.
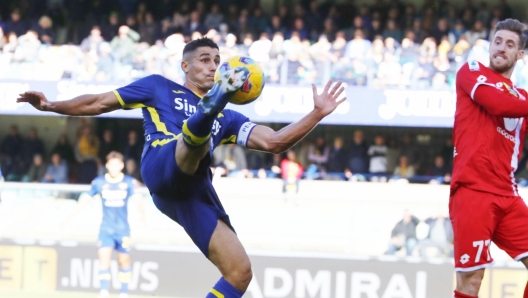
277, 147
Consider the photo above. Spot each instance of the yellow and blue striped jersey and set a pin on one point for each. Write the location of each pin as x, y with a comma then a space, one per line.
114, 196
166, 105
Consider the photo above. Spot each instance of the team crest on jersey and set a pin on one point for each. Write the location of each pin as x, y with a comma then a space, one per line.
123, 185
106, 186
474, 66
511, 90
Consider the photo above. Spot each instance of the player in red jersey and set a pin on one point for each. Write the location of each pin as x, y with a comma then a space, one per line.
490, 125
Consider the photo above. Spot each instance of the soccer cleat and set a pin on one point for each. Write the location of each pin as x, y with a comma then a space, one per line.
123, 295
104, 294
228, 83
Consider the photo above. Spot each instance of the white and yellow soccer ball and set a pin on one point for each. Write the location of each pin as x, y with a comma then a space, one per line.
252, 88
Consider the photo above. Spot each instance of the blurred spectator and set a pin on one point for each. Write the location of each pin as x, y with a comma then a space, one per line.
194, 24
133, 147
45, 31
64, 149
108, 144
11, 155
440, 170
276, 26
291, 172
392, 31
337, 157
440, 31
11, 145
32, 145
132, 169
57, 171
231, 158
27, 48
318, 153
123, 44
260, 49
408, 148
105, 63
376, 30
329, 29
15, 24
440, 236
148, 29
358, 160
131, 22
393, 155
404, 234
378, 156
357, 47
419, 33
86, 153
91, 43
110, 29
455, 33
214, 18
259, 21
478, 31
36, 171
404, 169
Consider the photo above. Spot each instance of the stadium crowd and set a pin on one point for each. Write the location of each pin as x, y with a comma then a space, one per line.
383, 44
359, 157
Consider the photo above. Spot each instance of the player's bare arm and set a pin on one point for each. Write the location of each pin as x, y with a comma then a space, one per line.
266, 139
84, 105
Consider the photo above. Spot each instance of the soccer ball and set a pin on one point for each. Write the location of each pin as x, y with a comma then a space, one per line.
252, 88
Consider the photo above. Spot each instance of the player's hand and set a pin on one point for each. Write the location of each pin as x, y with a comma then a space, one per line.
327, 102
36, 99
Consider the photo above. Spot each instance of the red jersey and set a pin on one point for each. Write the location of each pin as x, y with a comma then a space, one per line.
488, 132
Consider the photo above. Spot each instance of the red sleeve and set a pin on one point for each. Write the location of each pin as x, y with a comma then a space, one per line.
301, 170
284, 168
474, 82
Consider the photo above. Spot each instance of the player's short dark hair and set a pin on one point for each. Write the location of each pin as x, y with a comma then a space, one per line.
514, 26
115, 155
198, 43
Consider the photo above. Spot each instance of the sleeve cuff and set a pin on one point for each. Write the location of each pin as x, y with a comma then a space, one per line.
244, 133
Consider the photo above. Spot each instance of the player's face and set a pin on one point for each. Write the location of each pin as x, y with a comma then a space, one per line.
201, 67
114, 166
504, 51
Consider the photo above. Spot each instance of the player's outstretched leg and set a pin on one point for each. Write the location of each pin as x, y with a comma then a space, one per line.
197, 129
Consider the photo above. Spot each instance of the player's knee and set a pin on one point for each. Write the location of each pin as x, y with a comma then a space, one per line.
242, 275
470, 281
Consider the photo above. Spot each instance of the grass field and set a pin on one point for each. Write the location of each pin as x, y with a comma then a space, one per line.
36, 294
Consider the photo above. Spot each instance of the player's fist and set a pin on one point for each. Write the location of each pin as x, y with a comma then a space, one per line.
36, 99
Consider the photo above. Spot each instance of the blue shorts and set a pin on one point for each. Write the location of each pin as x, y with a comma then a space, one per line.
119, 242
189, 200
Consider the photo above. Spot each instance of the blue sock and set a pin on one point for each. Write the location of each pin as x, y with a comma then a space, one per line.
223, 289
104, 279
124, 278
197, 129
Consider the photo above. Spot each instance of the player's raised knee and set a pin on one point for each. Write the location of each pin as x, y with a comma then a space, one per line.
241, 276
